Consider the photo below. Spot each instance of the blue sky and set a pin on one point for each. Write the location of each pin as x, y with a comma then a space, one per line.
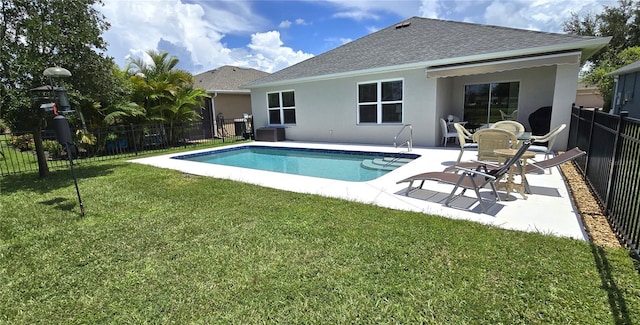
270, 35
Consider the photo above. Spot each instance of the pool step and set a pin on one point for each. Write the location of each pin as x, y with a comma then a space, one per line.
386, 163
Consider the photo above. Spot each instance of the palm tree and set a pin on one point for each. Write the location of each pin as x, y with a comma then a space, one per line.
165, 93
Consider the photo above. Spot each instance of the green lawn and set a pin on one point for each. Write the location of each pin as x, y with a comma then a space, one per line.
158, 246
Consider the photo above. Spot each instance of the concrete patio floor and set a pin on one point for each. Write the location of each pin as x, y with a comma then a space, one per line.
548, 210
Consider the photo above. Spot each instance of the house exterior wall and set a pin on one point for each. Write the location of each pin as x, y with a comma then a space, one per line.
326, 111
566, 86
232, 105
627, 92
589, 97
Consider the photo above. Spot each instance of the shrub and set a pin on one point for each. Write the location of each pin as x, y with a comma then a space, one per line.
53, 147
23, 142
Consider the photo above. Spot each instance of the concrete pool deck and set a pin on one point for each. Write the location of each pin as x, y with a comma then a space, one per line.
548, 210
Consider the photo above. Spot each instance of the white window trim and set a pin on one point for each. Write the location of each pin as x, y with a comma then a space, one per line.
379, 102
281, 108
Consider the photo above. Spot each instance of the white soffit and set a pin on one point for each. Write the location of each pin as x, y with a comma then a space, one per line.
503, 65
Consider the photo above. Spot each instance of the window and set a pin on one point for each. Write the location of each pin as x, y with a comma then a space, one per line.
380, 102
483, 102
282, 107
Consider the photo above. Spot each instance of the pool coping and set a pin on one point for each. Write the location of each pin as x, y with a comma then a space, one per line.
549, 210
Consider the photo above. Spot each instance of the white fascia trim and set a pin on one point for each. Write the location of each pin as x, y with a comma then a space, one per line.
595, 44
504, 65
231, 92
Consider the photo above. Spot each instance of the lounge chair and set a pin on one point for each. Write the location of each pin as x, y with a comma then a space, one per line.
467, 179
531, 167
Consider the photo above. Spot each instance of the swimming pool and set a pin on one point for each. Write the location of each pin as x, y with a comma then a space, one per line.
355, 166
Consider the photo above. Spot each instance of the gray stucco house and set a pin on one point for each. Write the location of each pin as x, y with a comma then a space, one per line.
227, 98
418, 71
627, 90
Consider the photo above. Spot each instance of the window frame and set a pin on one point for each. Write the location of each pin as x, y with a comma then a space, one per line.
379, 103
281, 108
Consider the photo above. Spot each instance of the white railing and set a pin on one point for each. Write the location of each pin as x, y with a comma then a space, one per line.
409, 142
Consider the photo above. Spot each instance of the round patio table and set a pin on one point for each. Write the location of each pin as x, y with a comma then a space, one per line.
509, 185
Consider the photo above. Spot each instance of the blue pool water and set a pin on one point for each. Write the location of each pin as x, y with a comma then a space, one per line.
356, 166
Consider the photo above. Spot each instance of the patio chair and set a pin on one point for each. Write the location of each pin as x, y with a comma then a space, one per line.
490, 139
511, 126
446, 134
547, 139
467, 179
531, 167
463, 136
509, 117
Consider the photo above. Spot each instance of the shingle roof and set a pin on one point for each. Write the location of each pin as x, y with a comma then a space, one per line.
633, 67
418, 40
227, 78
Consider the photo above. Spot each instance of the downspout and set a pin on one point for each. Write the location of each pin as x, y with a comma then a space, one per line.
214, 124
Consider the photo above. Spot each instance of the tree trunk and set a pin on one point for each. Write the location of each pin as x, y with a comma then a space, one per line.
43, 168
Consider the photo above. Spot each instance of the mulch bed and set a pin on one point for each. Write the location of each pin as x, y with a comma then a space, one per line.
594, 219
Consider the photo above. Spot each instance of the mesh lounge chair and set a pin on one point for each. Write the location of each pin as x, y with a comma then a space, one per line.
490, 139
467, 179
531, 167
463, 136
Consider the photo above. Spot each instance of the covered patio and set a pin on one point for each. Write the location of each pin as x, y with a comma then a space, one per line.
548, 210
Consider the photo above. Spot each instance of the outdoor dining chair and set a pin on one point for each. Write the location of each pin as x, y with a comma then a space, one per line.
491, 139
463, 136
509, 117
547, 139
467, 179
511, 126
446, 134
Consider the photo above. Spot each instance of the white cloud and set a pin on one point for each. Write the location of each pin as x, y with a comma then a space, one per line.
269, 54
285, 24
357, 15
367, 9
197, 30
429, 8
543, 15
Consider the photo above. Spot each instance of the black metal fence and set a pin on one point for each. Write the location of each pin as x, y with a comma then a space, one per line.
611, 166
18, 155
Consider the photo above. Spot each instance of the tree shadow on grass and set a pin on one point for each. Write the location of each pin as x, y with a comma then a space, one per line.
617, 303
57, 179
60, 203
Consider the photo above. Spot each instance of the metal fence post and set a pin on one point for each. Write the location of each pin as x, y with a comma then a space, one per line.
614, 159
133, 139
590, 142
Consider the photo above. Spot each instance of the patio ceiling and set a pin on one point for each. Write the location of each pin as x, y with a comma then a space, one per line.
465, 69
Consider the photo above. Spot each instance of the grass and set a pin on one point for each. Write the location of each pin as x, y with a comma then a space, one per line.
158, 246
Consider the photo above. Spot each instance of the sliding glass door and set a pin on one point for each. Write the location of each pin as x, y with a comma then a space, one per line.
483, 102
